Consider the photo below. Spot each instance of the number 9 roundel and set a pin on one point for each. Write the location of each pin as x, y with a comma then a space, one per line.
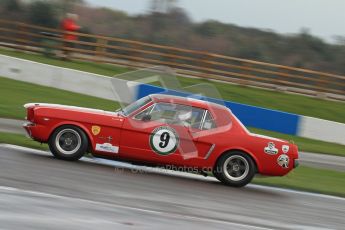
164, 140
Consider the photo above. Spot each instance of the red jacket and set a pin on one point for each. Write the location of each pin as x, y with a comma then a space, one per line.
68, 25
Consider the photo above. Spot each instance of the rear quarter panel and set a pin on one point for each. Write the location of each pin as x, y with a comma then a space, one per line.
267, 164
238, 138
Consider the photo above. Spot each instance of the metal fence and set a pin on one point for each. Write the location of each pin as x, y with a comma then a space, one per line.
200, 64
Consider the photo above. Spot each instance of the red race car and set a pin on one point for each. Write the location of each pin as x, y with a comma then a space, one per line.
163, 130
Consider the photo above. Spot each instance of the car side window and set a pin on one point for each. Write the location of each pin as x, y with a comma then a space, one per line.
209, 122
164, 112
174, 114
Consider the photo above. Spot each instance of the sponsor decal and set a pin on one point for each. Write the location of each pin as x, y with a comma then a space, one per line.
107, 147
109, 138
95, 130
271, 149
164, 140
283, 161
285, 148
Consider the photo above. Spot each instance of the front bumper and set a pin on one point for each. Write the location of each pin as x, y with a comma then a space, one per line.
36, 131
28, 128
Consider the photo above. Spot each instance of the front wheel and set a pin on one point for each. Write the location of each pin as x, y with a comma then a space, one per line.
235, 169
68, 143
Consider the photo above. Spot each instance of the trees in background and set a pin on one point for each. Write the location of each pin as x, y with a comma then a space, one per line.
43, 13
167, 24
11, 5
40, 12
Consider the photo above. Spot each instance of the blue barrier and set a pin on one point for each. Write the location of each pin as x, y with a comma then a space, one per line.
250, 116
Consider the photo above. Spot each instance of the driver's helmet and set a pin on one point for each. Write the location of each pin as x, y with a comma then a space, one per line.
184, 115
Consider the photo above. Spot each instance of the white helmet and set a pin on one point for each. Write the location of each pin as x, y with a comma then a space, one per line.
184, 115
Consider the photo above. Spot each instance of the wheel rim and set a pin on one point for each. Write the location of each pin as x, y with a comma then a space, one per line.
236, 168
68, 141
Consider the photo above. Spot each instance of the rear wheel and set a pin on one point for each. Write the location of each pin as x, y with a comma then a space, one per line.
68, 143
235, 169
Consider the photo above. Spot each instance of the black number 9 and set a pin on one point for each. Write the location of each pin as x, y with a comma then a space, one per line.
165, 137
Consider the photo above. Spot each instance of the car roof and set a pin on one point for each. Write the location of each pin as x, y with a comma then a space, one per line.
185, 101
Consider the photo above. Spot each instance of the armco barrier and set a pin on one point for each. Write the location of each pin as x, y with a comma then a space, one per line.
65, 79
100, 86
319, 129
251, 116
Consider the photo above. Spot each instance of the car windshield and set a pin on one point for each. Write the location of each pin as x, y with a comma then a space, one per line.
135, 105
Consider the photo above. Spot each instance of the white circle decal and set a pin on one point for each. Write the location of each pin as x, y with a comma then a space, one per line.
283, 161
164, 140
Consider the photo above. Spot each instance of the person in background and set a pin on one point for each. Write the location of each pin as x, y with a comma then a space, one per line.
68, 25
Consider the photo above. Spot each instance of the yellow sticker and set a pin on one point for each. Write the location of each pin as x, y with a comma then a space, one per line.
95, 130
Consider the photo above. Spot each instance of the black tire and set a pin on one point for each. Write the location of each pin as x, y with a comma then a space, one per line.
68, 142
235, 169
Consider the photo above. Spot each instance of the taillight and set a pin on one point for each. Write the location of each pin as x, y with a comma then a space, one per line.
30, 114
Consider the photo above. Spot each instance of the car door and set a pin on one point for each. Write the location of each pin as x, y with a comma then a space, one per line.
161, 133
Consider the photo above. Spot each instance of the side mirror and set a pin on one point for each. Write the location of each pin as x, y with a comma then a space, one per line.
147, 117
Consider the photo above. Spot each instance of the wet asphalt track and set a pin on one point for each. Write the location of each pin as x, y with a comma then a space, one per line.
40, 192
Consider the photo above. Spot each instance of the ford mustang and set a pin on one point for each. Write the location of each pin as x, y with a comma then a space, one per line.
163, 130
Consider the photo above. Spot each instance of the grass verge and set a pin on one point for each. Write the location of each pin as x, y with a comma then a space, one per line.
302, 178
21, 140
292, 103
97, 68
309, 179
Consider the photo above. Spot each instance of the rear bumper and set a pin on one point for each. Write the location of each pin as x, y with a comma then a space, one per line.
295, 163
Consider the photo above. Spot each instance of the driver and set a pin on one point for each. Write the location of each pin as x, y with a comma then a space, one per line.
184, 117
